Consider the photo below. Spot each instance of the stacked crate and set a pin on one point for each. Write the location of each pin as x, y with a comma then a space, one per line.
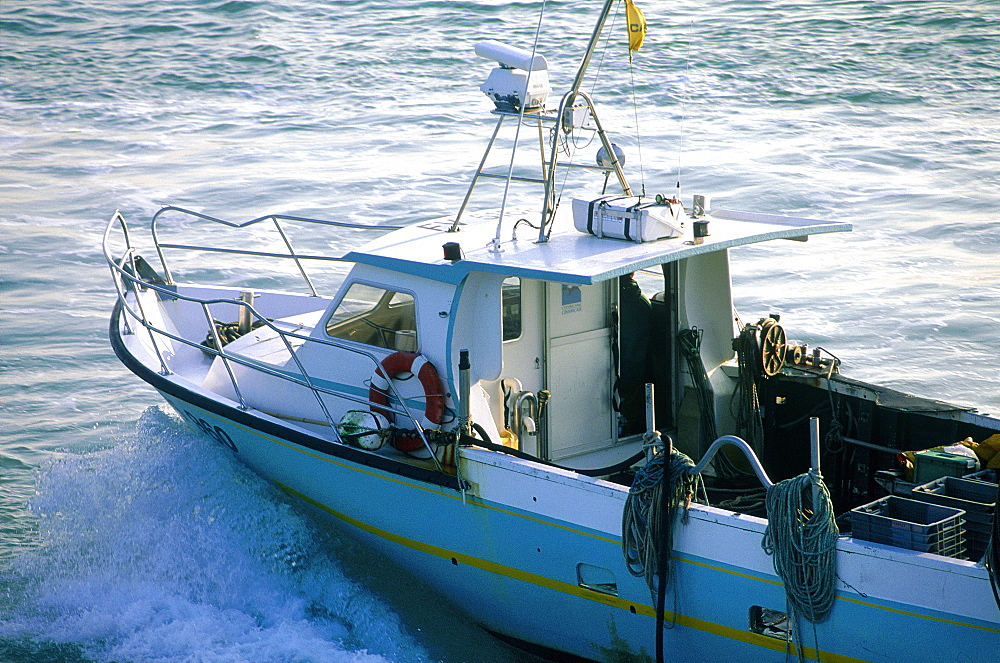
977, 498
905, 523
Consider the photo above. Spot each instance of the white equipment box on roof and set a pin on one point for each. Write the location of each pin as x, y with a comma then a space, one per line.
627, 217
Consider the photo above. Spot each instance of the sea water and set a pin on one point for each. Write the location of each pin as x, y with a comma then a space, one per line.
125, 536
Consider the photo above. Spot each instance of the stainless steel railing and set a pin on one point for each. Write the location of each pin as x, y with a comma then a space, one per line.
275, 218
740, 444
127, 279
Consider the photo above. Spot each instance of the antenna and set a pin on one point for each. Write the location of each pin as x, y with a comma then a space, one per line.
531, 61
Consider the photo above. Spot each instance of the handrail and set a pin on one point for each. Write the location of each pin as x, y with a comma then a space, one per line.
742, 446
550, 204
276, 218
218, 343
306, 381
126, 280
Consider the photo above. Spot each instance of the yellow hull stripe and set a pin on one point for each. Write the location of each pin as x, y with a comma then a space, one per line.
575, 590
899, 611
542, 581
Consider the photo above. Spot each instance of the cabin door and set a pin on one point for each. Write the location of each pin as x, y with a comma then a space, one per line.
577, 334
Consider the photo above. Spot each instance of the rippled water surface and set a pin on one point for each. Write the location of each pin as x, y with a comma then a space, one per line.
124, 538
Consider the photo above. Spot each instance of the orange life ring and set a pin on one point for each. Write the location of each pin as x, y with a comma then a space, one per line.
397, 364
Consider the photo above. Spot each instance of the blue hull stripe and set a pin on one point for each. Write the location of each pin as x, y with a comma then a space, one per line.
575, 590
389, 469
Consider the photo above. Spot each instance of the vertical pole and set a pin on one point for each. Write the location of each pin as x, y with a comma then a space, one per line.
814, 447
566, 106
669, 378
464, 415
591, 46
650, 425
465, 389
246, 317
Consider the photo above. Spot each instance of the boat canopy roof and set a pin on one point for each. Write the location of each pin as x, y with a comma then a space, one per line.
569, 256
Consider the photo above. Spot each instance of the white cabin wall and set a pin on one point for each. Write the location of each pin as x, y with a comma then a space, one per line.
707, 303
477, 325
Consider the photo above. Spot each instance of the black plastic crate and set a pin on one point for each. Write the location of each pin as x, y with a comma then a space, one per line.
905, 523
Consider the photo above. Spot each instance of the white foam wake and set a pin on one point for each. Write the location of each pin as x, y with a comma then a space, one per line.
165, 548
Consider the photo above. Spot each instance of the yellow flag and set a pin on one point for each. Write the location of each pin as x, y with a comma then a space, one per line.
636, 26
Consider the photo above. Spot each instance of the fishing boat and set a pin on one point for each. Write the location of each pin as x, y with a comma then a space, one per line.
492, 401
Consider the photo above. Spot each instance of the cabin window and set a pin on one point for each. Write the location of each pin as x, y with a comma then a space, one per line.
510, 300
375, 316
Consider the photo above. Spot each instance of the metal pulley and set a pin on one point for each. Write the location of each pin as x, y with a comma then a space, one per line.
773, 346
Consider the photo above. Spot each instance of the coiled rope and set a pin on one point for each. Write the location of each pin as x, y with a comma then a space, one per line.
803, 545
659, 489
647, 518
745, 404
690, 344
228, 332
743, 500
